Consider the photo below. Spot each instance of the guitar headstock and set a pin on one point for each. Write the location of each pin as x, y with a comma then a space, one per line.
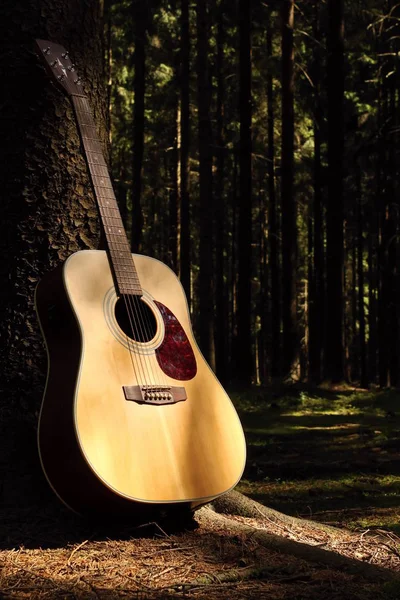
60, 67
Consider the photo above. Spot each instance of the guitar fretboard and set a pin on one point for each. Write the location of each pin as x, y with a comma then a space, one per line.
122, 265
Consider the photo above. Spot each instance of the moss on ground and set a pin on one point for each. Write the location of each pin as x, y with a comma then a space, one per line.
331, 455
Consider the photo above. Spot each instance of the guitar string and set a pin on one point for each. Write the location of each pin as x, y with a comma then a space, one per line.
136, 312
133, 315
148, 327
135, 325
134, 308
141, 374
141, 318
81, 106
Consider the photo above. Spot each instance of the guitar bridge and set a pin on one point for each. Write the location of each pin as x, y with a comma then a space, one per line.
156, 395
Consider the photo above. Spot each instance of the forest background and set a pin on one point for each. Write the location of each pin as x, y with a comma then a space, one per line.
254, 149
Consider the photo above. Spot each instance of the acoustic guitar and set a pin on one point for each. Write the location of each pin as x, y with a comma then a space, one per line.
133, 420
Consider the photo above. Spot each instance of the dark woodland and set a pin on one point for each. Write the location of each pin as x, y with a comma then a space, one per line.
254, 148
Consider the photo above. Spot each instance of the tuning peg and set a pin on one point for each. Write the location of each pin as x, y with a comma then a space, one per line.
65, 55
53, 64
78, 81
46, 50
61, 77
71, 67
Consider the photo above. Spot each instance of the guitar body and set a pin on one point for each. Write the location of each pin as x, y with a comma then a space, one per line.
101, 451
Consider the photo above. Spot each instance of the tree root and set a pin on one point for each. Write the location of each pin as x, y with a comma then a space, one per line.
244, 574
237, 504
234, 503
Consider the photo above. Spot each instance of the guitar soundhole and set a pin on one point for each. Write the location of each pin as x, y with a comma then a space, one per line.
135, 318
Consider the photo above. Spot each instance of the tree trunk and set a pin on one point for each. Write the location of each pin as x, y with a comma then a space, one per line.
175, 194
233, 270
47, 206
335, 211
316, 280
140, 22
184, 250
221, 209
361, 280
289, 229
392, 242
273, 221
244, 359
388, 217
206, 288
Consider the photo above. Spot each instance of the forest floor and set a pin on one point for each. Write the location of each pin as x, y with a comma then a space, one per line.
317, 456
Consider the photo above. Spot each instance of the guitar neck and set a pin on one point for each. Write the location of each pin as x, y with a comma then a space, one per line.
120, 257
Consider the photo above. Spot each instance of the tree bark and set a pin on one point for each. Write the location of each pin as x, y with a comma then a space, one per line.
244, 360
47, 206
140, 23
184, 246
221, 208
316, 278
273, 222
289, 229
361, 280
206, 280
294, 548
335, 210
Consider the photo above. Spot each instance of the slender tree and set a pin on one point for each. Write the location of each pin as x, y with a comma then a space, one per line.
221, 208
289, 229
360, 287
206, 288
335, 210
184, 248
244, 348
140, 24
316, 276
273, 220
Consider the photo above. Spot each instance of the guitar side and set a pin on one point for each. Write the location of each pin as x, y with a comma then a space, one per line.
102, 452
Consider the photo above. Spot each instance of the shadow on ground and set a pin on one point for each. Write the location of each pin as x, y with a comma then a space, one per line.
332, 456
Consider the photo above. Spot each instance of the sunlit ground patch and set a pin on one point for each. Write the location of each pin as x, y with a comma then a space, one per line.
333, 457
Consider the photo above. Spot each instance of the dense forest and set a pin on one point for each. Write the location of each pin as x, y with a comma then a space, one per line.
253, 148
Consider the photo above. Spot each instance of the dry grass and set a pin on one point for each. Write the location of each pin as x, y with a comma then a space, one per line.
46, 552
208, 561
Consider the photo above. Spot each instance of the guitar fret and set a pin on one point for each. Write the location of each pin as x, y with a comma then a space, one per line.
125, 271
108, 202
106, 193
113, 221
126, 276
101, 179
128, 280
103, 187
117, 227
124, 265
109, 207
97, 152
106, 210
105, 174
100, 162
118, 246
107, 215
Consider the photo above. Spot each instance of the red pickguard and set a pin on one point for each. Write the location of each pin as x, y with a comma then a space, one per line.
175, 355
